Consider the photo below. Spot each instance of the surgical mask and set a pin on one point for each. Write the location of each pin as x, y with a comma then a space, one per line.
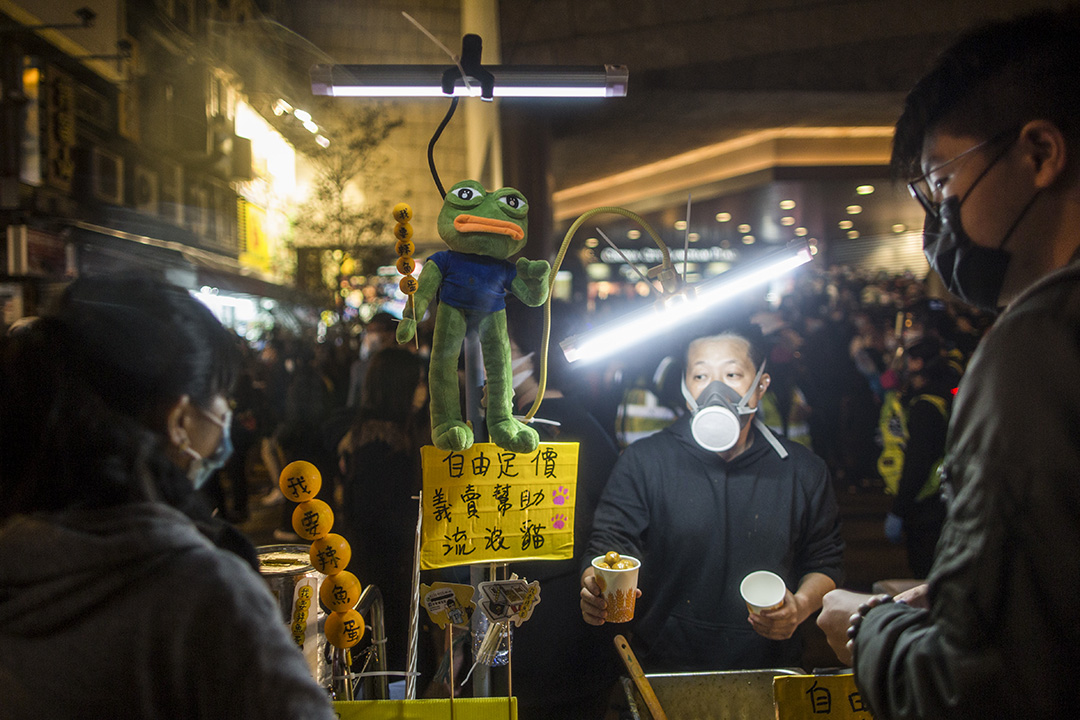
202, 468
972, 272
521, 375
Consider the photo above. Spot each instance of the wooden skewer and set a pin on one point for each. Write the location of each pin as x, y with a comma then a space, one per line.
450, 649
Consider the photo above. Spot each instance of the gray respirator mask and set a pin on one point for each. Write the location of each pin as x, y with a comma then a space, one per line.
719, 416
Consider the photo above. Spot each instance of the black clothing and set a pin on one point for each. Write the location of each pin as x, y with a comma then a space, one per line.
382, 476
1002, 636
699, 525
562, 665
923, 519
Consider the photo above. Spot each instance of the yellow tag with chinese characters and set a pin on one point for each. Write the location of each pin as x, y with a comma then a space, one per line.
817, 697
487, 504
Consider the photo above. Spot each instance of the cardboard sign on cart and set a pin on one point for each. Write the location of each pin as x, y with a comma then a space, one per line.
819, 697
487, 504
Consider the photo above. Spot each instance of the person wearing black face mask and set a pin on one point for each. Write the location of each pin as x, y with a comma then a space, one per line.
992, 140
703, 503
971, 271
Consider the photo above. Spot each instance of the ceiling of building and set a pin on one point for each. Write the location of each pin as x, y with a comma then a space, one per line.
705, 73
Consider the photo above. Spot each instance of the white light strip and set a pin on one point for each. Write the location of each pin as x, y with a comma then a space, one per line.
509, 81
436, 91
651, 321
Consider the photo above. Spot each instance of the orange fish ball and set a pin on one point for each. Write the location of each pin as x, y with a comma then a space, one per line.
344, 629
312, 519
330, 554
300, 481
340, 592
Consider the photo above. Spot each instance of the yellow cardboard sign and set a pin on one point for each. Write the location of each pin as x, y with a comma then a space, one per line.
448, 603
817, 697
487, 504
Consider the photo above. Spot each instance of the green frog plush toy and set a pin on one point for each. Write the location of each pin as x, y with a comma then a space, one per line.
472, 278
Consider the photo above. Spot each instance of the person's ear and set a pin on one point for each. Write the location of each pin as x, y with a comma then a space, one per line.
1045, 148
763, 385
176, 422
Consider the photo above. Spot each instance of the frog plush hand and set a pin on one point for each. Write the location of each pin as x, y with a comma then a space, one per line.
482, 230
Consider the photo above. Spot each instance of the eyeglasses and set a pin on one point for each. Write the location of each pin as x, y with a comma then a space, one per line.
924, 189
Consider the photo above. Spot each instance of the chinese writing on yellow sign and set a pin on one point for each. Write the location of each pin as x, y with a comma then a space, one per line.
487, 504
807, 697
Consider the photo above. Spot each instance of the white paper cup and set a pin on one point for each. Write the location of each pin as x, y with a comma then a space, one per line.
619, 588
763, 590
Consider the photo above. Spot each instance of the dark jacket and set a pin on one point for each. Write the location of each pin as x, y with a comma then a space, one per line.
1002, 637
556, 648
130, 612
699, 525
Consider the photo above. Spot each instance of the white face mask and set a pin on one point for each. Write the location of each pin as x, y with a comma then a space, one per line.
521, 375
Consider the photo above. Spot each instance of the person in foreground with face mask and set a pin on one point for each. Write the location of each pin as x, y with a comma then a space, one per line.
119, 595
703, 503
991, 137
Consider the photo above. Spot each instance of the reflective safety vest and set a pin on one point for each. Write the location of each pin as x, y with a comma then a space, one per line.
892, 426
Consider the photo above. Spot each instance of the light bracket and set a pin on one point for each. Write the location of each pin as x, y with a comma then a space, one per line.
487, 82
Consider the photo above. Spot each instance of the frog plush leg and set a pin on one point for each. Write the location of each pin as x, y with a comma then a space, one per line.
503, 429
448, 431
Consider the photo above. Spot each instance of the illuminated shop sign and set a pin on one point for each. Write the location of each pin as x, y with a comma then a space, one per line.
653, 256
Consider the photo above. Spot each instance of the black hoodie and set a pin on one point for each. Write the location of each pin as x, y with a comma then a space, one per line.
699, 525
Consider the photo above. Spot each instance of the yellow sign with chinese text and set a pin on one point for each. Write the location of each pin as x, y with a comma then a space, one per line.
487, 504
810, 697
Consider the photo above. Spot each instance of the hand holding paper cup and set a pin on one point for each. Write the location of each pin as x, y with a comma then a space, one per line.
618, 583
763, 590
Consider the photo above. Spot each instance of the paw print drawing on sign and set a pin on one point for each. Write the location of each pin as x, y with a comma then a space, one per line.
560, 495
558, 521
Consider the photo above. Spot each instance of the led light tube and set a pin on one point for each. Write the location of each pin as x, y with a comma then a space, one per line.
568, 81
675, 310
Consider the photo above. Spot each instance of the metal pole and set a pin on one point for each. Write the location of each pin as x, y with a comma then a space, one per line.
414, 609
372, 599
474, 381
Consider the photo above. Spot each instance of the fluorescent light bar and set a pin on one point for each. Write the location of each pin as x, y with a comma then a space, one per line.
569, 81
675, 310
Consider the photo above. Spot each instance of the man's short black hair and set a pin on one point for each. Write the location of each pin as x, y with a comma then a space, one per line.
749, 332
994, 78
